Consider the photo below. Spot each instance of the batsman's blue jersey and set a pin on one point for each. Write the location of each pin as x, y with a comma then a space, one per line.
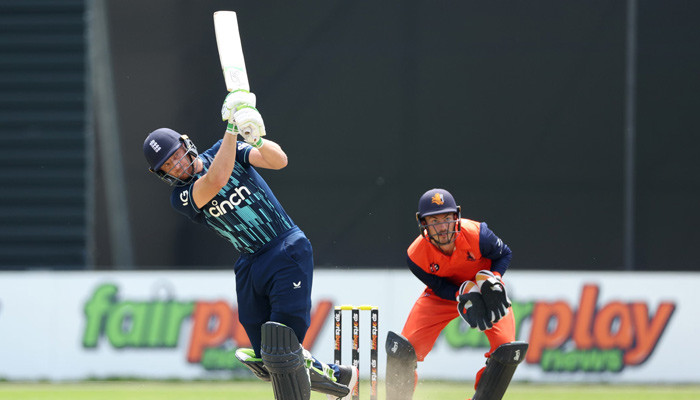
245, 211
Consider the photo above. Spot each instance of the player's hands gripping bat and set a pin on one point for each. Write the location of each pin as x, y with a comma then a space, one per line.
471, 307
494, 294
251, 125
235, 100
239, 110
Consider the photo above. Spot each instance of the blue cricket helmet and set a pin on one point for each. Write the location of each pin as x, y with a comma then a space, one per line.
160, 145
436, 201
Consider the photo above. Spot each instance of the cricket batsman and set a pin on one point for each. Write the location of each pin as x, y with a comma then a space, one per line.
222, 189
462, 263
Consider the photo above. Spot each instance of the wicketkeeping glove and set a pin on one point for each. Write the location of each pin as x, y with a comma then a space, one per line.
234, 101
471, 307
494, 294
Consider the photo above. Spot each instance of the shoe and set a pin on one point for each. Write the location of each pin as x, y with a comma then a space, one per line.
326, 383
323, 379
348, 376
247, 357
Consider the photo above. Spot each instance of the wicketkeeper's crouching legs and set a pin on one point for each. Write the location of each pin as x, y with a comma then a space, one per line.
430, 314
500, 367
401, 363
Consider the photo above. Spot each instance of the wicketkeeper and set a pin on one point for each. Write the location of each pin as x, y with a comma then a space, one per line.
462, 263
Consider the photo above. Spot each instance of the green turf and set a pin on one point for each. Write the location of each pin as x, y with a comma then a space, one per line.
250, 390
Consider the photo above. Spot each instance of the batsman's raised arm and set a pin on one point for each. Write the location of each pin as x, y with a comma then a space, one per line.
217, 175
239, 108
270, 156
205, 188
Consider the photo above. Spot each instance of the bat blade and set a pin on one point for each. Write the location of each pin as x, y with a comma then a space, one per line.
228, 41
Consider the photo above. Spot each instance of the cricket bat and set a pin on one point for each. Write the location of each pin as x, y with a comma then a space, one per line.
228, 40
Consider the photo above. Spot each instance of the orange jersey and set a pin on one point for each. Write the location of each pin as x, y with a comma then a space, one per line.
476, 248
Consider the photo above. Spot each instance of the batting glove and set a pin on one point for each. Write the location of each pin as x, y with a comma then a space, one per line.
494, 294
234, 101
250, 125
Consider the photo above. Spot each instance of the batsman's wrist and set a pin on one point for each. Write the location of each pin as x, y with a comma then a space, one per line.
232, 129
258, 144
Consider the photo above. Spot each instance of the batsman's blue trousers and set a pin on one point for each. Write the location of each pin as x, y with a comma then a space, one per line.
274, 284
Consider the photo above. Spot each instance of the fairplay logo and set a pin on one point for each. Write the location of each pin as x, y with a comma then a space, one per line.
588, 337
595, 338
215, 331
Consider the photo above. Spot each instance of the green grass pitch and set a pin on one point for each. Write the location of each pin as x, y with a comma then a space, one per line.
254, 390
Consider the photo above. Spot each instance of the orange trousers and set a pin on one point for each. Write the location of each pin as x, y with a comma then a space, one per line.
431, 313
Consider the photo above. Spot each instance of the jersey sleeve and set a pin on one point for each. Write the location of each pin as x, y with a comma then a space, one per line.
441, 286
493, 248
211, 152
242, 153
181, 201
